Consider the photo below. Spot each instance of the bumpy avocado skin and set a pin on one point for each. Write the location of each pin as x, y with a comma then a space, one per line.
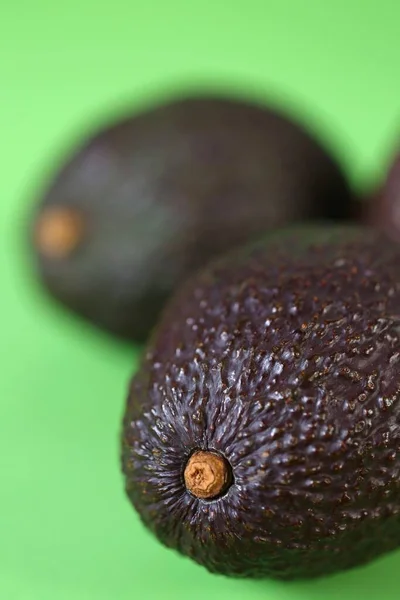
284, 358
171, 187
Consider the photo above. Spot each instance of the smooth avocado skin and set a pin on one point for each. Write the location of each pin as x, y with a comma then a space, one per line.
148, 200
282, 359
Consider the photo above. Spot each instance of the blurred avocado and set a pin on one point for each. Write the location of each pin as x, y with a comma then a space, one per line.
383, 208
148, 200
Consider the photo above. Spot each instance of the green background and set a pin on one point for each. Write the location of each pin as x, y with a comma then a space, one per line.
66, 530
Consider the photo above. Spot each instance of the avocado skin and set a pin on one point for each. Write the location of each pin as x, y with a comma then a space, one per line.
383, 209
171, 187
284, 358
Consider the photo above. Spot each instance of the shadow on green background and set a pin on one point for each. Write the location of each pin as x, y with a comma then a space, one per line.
66, 530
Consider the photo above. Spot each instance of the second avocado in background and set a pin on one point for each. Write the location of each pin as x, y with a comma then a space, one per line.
148, 200
383, 208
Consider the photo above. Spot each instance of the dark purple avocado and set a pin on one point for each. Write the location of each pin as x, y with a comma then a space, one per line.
384, 207
262, 432
148, 200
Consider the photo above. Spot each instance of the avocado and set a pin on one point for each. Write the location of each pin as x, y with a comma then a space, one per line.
147, 200
261, 436
384, 207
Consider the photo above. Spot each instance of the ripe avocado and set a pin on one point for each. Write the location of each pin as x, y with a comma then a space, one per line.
262, 432
384, 206
148, 200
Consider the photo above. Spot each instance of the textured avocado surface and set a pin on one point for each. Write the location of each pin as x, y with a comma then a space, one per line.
283, 361
148, 200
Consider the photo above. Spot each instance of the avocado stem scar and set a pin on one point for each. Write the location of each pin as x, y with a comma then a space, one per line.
207, 474
58, 231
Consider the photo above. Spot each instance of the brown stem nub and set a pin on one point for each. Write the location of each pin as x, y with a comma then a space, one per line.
207, 474
58, 231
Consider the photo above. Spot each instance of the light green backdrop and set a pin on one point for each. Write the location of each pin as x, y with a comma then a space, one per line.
66, 531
